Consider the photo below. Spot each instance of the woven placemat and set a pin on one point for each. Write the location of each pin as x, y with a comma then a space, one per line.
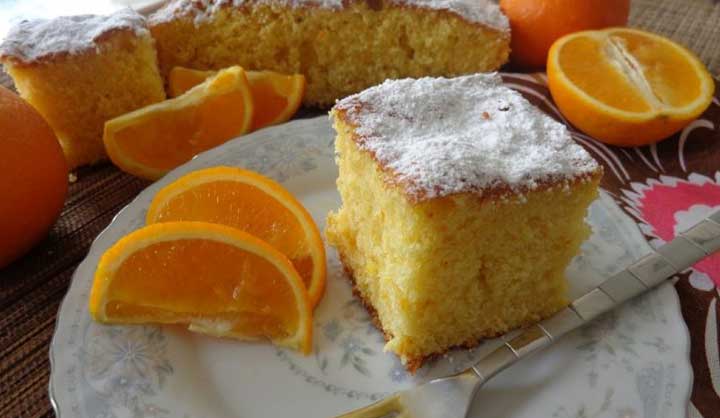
5, 80
32, 288
693, 23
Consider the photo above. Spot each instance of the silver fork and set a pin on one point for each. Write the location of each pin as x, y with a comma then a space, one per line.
450, 397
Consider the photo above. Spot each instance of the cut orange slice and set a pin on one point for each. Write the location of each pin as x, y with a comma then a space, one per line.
276, 96
151, 141
253, 203
216, 279
625, 86
182, 79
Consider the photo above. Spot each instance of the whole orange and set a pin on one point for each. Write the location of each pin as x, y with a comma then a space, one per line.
536, 24
33, 177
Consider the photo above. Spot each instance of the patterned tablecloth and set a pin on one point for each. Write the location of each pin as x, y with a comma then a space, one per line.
664, 188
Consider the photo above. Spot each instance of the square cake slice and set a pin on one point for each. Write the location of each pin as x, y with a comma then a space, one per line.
462, 205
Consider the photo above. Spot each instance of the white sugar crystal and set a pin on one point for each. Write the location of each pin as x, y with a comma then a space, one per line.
476, 11
31, 40
442, 136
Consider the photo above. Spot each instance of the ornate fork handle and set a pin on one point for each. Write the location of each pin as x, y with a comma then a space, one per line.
653, 269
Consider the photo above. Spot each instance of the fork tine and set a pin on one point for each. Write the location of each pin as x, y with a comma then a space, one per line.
390, 407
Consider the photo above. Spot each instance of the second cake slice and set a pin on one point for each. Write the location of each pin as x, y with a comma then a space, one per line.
80, 71
340, 46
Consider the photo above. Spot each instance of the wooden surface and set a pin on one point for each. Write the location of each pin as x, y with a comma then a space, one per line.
32, 288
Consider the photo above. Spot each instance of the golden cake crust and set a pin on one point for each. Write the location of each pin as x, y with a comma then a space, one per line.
38, 41
496, 192
478, 12
424, 163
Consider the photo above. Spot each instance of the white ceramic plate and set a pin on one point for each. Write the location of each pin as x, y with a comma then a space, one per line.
630, 363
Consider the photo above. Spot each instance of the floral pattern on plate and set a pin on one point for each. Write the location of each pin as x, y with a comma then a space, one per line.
633, 361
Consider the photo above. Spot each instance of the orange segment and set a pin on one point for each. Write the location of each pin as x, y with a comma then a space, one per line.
253, 203
625, 86
155, 139
665, 67
600, 79
216, 279
276, 96
182, 79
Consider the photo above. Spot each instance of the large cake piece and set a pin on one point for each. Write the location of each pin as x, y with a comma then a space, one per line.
341, 46
462, 205
80, 71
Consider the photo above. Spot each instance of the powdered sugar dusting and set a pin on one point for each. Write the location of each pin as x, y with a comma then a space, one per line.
442, 136
476, 11
31, 40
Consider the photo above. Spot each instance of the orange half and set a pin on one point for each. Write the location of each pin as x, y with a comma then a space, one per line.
216, 279
153, 140
276, 96
625, 86
252, 203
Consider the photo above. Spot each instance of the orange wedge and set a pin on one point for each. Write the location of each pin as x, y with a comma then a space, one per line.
216, 279
625, 86
182, 79
276, 96
253, 203
155, 139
